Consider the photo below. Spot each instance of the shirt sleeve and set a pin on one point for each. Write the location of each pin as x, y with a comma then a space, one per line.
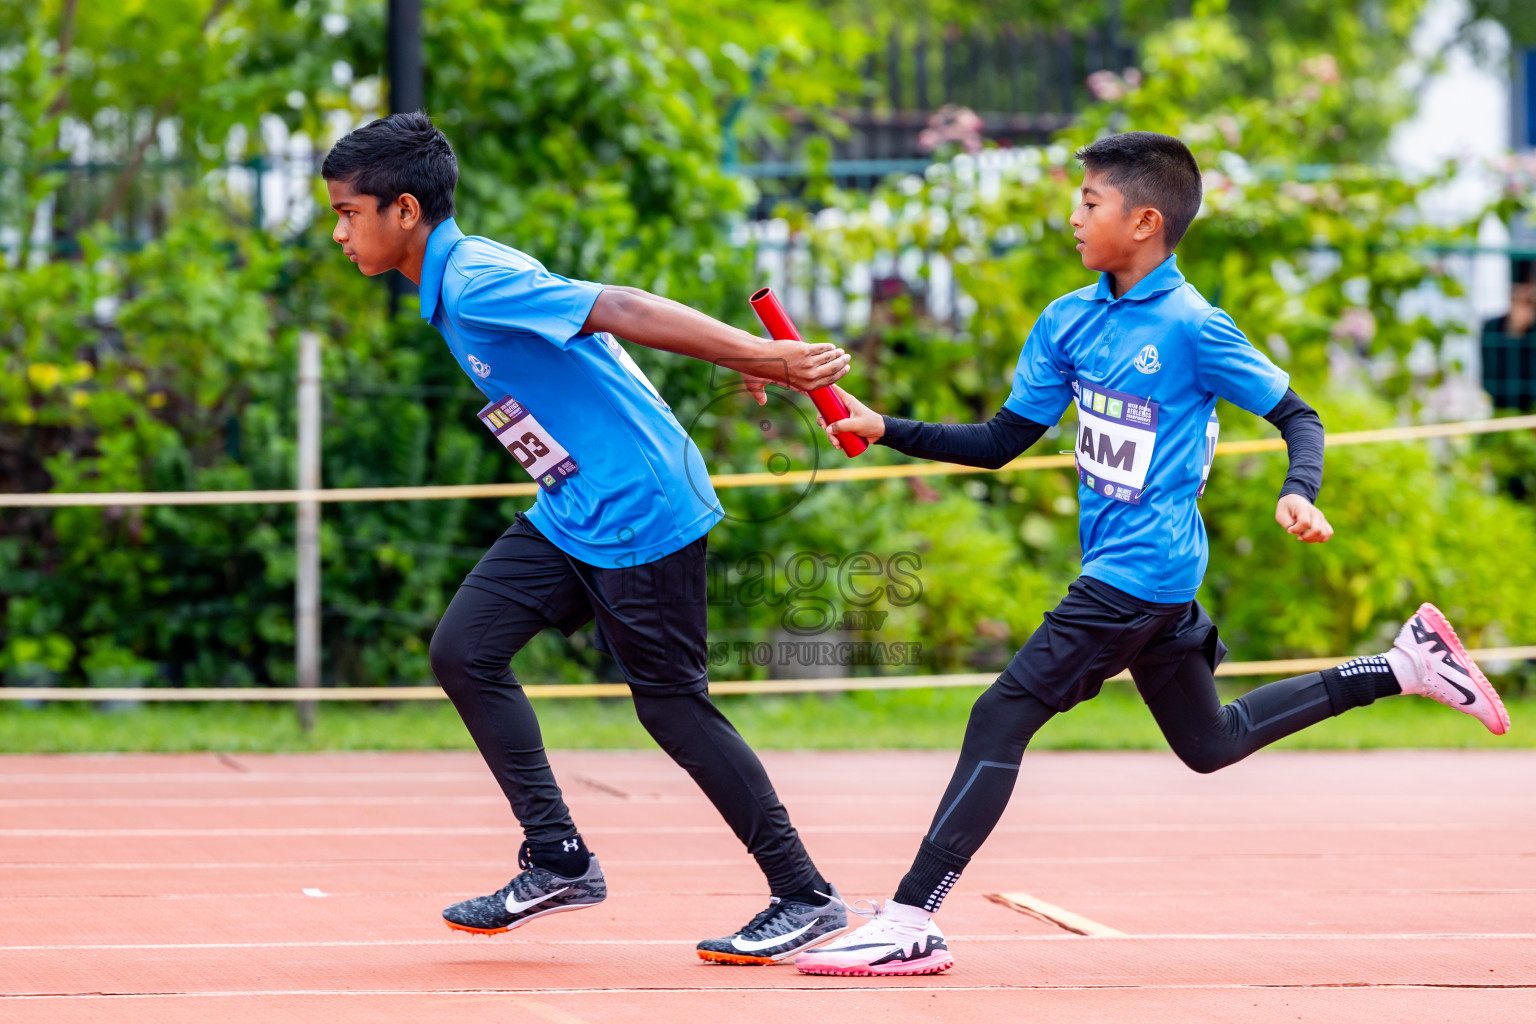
1041, 388
528, 299
1302, 430
1228, 365
991, 445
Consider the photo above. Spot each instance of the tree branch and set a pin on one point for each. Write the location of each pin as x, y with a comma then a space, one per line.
66, 42
136, 159
213, 13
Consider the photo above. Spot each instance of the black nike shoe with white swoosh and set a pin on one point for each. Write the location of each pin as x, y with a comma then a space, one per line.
535, 892
778, 933
1428, 659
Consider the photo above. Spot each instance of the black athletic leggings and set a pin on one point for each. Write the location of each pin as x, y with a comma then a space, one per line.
470, 655
1203, 732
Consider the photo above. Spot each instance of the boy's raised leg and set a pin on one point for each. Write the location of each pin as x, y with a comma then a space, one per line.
1427, 659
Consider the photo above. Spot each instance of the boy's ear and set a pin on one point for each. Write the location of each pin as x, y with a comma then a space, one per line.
1148, 224
408, 211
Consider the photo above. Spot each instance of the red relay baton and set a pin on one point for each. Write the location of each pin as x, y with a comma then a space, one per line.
766, 305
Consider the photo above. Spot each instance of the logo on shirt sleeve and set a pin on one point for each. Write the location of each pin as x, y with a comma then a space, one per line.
1146, 360
481, 369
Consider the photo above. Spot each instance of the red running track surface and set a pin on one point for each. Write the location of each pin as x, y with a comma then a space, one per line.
1390, 886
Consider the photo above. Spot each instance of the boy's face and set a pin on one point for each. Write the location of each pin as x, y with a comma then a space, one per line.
1108, 234
375, 239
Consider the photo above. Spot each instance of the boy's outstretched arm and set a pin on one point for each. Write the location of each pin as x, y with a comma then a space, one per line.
990, 445
1302, 430
660, 323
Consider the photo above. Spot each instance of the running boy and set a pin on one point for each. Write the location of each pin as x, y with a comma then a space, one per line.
616, 534
1145, 358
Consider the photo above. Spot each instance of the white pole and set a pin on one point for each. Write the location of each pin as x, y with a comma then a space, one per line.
307, 534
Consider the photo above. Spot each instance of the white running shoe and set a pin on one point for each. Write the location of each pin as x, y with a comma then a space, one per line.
1429, 660
900, 940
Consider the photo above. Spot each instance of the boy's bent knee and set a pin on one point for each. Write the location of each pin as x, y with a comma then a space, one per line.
450, 660
659, 711
1206, 760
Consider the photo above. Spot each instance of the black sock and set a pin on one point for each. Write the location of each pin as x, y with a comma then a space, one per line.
933, 873
568, 857
813, 894
1357, 683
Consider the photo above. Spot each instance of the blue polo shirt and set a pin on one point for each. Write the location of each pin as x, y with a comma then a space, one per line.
641, 490
1144, 372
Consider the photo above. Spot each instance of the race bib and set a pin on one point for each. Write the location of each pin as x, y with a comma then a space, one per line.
1212, 432
530, 444
1116, 435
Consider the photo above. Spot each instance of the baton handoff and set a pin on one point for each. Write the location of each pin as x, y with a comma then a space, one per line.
766, 305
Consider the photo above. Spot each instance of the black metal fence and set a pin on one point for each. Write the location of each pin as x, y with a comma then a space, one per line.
138, 201
1022, 85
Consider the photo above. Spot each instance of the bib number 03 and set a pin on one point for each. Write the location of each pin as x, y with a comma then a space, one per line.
530, 444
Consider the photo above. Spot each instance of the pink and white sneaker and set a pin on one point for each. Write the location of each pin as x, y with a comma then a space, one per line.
900, 940
1429, 660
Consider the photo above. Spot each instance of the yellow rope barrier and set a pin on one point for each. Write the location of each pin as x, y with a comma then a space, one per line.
722, 480
1240, 669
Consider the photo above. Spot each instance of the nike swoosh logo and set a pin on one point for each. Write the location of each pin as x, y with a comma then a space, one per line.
752, 946
514, 907
1471, 697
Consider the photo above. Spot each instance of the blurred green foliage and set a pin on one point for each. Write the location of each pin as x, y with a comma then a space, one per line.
590, 135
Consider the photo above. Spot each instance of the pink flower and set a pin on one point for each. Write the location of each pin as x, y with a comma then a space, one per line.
1300, 191
1323, 67
1355, 324
1230, 129
1106, 86
952, 124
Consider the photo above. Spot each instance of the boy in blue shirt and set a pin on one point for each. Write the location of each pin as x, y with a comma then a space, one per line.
616, 534
1144, 358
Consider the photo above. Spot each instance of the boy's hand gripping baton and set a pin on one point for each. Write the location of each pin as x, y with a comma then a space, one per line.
766, 305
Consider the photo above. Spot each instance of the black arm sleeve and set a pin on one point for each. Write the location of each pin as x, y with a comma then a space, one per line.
1302, 430
991, 445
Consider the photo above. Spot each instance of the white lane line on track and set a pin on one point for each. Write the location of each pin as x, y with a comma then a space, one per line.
232, 779
669, 830
477, 780
1011, 897
382, 799
465, 865
467, 941
861, 991
1075, 802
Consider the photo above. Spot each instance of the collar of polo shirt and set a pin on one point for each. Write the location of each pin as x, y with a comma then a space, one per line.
1165, 277
439, 244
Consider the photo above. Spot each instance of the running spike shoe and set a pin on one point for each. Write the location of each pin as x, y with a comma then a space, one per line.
1443, 671
535, 892
778, 933
897, 941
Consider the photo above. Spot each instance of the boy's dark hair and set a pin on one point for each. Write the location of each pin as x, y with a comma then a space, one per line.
394, 155
1150, 170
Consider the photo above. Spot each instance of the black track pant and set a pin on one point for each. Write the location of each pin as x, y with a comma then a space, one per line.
1203, 732
470, 653
1172, 651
